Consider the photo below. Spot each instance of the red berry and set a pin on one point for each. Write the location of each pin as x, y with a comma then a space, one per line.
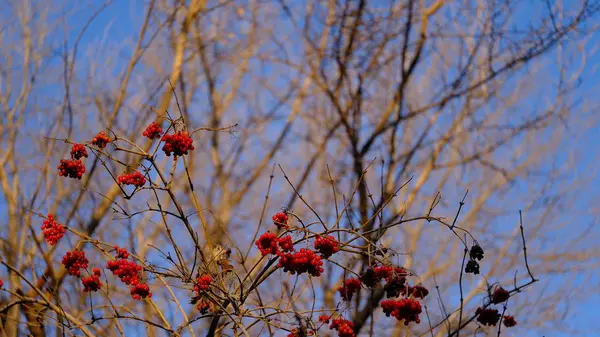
74, 261
487, 316
53, 231
406, 309
350, 286
153, 131
324, 319
71, 168
1, 283
204, 306
91, 283
500, 295
136, 179
78, 151
96, 271
179, 143
344, 327
509, 321
203, 283
101, 140
140, 290
122, 253
326, 245
303, 261
267, 243
280, 220
127, 271
286, 244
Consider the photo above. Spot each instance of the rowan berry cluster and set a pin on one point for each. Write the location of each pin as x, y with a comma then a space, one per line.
348, 288
153, 131
1, 283
129, 273
101, 140
406, 309
324, 319
203, 283
74, 261
487, 316
303, 261
344, 327
286, 244
327, 246
92, 282
136, 179
280, 220
500, 295
78, 151
509, 321
178, 143
71, 168
53, 231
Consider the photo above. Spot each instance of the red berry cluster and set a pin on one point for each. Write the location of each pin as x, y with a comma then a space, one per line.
303, 261
327, 246
129, 273
1, 283
101, 140
500, 295
350, 286
92, 282
417, 291
140, 290
153, 131
74, 261
280, 220
509, 321
179, 143
406, 309
344, 327
487, 316
286, 244
267, 243
71, 168
203, 283
78, 151
324, 319
136, 179
53, 231
122, 253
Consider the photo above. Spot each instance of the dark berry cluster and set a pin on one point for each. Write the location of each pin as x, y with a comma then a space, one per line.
303, 261
475, 254
101, 140
74, 261
348, 288
92, 282
178, 144
509, 321
136, 179
71, 168
53, 231
487, 316
153, 131
78, 151
500, 295
327, 246
280, 220
344, 327
406, 309
417, 291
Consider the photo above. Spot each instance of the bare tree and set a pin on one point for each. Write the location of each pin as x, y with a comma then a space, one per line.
410, 131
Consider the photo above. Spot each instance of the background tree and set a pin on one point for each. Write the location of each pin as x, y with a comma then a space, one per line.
384, 116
